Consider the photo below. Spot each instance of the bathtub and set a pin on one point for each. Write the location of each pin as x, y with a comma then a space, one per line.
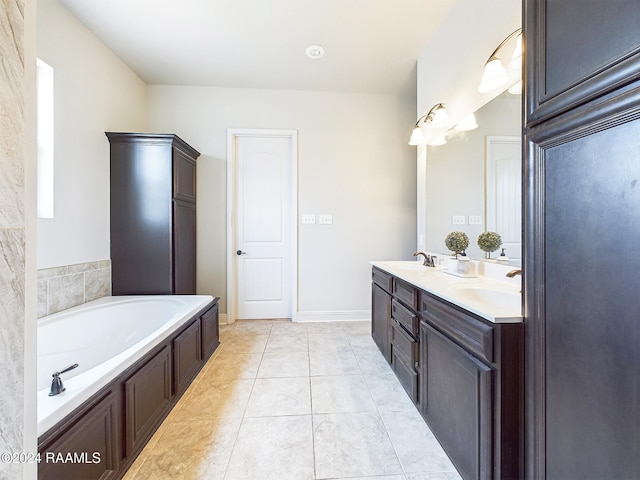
104, 337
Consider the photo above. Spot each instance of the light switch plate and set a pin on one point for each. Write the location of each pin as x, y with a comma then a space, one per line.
325, 219
308, 219
475, 220
458, 220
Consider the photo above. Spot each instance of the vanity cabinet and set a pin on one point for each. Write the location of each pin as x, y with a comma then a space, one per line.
472, 388
464, 373
153, 214
381, 287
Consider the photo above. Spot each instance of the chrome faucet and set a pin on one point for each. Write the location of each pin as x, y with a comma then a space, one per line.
429, 260
513, 273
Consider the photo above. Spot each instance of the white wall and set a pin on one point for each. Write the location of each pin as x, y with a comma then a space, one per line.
353, 162
94, 92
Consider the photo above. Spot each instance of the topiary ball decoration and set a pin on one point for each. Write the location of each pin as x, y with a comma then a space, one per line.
457, 242
489, 242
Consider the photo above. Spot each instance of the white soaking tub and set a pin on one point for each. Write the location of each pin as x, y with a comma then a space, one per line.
104, 337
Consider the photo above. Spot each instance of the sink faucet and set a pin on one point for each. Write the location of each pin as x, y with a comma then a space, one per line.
429, 260
513, 273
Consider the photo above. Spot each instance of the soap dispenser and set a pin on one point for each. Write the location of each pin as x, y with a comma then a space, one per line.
503, 258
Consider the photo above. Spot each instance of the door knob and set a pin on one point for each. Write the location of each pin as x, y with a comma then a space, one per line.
240, 252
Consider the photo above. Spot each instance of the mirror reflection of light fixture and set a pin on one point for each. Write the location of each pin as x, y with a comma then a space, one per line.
495, 75
516, 88
439, 140
436, 117
467, 123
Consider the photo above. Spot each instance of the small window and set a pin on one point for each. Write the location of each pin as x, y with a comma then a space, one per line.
45, 139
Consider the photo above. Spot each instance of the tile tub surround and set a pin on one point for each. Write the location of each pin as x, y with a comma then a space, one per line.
283, 400
60, 288
13, 233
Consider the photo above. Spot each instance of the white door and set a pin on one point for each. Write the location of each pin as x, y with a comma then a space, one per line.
263, 247
504, 173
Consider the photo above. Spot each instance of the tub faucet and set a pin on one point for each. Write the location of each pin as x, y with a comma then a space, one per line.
56, 383
513, 273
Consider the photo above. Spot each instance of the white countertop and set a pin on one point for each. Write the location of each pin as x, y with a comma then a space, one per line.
487, 296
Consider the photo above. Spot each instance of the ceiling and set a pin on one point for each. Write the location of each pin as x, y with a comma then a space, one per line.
370, 45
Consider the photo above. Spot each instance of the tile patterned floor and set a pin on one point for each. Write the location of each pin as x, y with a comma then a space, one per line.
281, 400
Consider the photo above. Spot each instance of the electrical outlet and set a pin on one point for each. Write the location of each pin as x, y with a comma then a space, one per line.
475, 220
308, 219
325, 219
458, 220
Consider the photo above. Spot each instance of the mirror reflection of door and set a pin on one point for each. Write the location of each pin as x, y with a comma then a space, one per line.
503, 193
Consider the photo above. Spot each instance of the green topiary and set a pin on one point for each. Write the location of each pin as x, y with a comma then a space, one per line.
457, 242
489, 242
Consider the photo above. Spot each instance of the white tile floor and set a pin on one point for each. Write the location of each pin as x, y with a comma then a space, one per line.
281, 400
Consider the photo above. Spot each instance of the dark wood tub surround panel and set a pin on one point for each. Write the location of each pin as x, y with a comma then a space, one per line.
118, 421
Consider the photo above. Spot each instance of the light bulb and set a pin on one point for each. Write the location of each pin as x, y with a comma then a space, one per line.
494, 75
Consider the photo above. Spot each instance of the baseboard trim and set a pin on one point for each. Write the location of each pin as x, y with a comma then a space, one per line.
333, 316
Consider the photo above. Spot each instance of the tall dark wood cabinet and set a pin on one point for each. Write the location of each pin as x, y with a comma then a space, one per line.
582, 239
153, 214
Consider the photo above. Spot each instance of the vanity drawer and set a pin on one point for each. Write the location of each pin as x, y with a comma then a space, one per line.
403, 360
464, 329
403, 345
381, 278
405, 317
405, 292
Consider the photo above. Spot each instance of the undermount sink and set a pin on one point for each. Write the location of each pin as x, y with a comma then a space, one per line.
499, 297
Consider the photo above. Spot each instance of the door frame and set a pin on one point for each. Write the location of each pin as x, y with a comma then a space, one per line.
491, 141
232, 179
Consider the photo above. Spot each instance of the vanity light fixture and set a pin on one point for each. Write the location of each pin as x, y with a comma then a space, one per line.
495, 75
516, 88
436, 117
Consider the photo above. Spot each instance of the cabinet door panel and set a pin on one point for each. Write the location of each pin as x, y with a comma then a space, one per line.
184, 248
380, 320
95, 437
585, 349
147, 397
210, 331
572, 58
186, 356
184, 176
458, 382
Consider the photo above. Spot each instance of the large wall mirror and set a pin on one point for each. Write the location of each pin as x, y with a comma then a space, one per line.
473, 182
